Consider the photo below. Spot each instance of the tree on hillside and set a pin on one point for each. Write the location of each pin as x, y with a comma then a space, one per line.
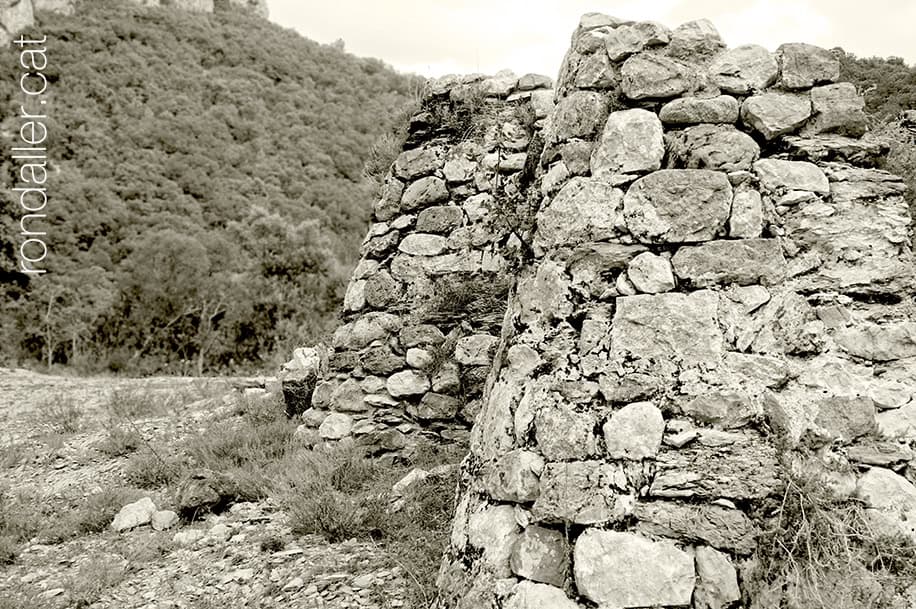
168, 129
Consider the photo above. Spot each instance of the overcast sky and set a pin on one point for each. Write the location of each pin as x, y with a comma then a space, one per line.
436, 37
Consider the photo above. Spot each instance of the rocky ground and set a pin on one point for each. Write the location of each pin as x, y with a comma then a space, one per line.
246, 556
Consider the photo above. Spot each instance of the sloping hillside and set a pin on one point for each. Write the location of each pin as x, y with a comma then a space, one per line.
206, 192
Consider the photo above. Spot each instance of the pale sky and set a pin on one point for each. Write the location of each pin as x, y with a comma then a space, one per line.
437, 37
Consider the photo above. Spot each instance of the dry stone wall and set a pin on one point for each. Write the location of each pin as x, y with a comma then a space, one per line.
424, 306
720, 293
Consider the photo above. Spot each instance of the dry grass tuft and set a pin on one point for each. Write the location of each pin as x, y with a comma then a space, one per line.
341, 494
822, 552
478, 299
60, 414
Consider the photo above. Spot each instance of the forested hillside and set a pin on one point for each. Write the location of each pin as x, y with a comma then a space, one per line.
889, 84
206, 200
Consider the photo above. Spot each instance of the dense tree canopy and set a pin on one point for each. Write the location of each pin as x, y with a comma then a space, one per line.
206, 199
889, 84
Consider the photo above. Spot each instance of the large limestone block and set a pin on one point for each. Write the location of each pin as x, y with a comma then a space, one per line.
673, 326
838, 109
860, 238
541, 555
366, 329
746, 221
717, 585
743, 262
721, 527
805, 65
891, 499
777, 175
720, 147
15, 15
475, 350
544, 293
651, 274
627, 570
648, 76
634, 432
678, 206
578, 115
743, 468
134, 515
348, 397
531, 595
744, 69
440, 219
695, 40
412, 164
833, 147
425, 191
585, 210
631, 142
494, 530
899, 422
380, 290
582, 492
515, 476
623, 41
880, 343
435, 406
336, 426
564, 434
64, 7
694, 110
407, 383
775, 114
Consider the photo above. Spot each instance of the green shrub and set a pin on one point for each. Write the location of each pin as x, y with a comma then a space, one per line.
60, 413
336, 493
247, 448
418, 534
9, 549
339, 494
93, 577
119, 440
479, 299
21, 516
151, 471
13, 454
821, 552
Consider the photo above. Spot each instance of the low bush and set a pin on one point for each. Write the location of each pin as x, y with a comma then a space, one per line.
119, 440
148, 470
823, 552
246, 448
93, 577
339, 494
60, 413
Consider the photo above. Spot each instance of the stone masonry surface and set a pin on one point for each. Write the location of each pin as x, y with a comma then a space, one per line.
423, 309
721, 285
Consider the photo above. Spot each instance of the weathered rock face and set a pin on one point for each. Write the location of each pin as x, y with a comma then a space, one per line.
688, 311
411, 356
678, 206
15, 15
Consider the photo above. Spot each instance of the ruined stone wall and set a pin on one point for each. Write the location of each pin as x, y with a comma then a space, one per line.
424, 306
720, 295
